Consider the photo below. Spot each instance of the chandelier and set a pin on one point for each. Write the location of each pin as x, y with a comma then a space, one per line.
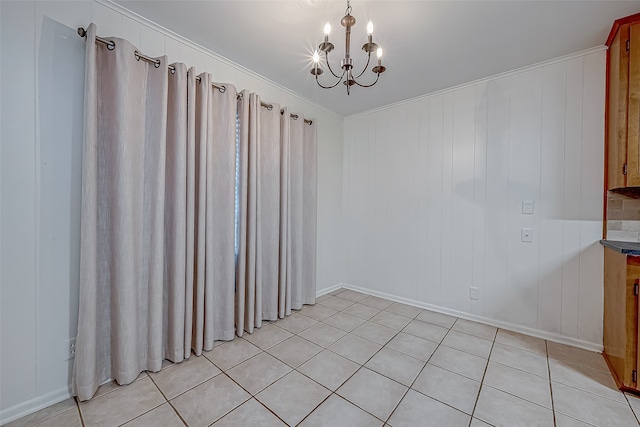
346, 64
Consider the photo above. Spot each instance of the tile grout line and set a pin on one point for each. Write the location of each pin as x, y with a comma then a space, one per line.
553, 408
475, 405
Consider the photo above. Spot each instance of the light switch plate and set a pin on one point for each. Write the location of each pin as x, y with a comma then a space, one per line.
526, 235
527, 207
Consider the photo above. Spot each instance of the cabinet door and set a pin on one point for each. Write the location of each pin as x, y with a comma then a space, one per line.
633, 118
617, 97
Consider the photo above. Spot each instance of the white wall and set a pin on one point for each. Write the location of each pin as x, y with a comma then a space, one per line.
433, 189
42, 79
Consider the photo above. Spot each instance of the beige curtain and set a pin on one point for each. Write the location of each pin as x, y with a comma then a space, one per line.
157, 228
277, 191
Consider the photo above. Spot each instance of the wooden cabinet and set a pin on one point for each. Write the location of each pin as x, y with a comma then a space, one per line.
623, 104
621, 281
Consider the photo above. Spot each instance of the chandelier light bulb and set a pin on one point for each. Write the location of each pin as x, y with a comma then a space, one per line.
327, 29
316, 56
379, 52
370, 28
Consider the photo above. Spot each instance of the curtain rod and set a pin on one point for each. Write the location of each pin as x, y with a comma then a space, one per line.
156, 62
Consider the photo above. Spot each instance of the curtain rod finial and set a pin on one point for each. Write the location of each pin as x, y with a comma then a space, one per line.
82, 32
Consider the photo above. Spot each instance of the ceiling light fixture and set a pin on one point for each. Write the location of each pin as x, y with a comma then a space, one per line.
346, 64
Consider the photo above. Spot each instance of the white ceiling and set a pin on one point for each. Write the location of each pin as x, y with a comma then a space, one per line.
428, 45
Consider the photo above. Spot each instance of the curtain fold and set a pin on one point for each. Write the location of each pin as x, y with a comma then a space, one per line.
157, 227
248, 294
120, 325
277, 188
159, 275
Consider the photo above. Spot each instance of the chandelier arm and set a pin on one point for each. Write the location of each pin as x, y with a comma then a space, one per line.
326, 59
365, 67
361, 85
329, 87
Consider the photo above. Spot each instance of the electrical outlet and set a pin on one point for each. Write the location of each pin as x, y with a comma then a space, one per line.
474, 293
71, 345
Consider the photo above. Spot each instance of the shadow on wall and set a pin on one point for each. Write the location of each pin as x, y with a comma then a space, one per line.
60, 97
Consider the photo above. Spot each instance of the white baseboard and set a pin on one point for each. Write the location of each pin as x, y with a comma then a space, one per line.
550, 336
330, 289
32, 405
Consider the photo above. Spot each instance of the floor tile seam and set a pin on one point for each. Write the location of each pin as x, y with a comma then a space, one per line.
579, 364
321, 385
153, 409
296, 367
591, 393
358, 406
386, 326
444, 403
233, 366
362, 366
280, 418
337, 327
246, 360
400, 314
517, 397
317, 406
417, 336
574, 418
77, 408
470, 334
228, 412
486, 367
523, 349
465, 351
587, 368
633, 405
388, 377
583, 421
189, 389
634, 413
259, 391
518, 369
145, 412
119, 388
411, 385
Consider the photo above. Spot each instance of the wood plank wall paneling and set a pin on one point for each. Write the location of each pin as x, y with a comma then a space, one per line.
476, 153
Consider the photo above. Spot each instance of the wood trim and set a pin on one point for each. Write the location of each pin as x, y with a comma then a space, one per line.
605, 193
619, 22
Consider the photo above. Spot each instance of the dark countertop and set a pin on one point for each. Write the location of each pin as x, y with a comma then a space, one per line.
627, 248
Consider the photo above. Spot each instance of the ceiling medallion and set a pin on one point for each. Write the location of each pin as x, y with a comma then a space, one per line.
346, 64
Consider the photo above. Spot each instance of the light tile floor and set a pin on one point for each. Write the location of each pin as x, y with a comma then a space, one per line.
357, 360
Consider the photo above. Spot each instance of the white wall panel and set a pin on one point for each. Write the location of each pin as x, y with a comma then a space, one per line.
479, 194
572, 195
534, 134
18, 321
496, 230
590, 309
551, 197
524, 184
422, 226
430, 285
462, 197
446, 224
